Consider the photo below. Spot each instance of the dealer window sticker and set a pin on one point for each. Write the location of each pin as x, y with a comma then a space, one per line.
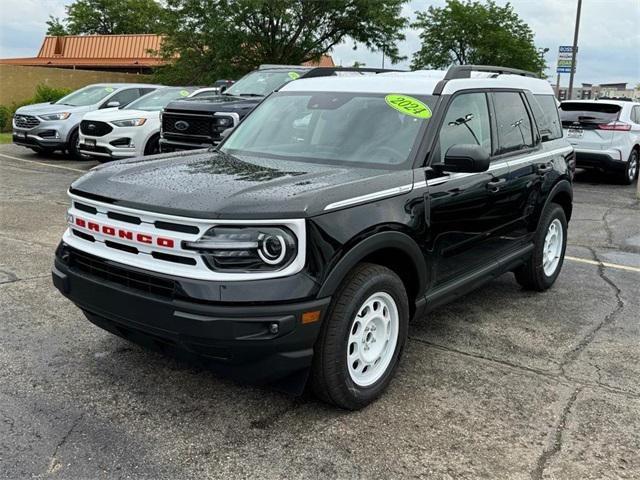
294, 75
408, 105
184, 93
108, 89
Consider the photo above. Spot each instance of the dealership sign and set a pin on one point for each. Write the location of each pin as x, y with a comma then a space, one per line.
565, 59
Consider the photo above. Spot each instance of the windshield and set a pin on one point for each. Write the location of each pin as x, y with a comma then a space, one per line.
158, 99
329, 128
86, 96
261, 83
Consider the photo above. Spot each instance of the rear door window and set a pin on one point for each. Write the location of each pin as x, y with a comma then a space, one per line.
588, 115
547, 118
515, 131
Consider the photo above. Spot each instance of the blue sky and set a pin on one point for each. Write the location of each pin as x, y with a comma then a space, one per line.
609, 34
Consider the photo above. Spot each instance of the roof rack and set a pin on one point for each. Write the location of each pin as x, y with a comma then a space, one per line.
464, 71
326, 71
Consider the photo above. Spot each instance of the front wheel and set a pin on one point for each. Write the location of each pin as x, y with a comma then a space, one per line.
630, 173
73, 146
153, 146
362, 338
550, 243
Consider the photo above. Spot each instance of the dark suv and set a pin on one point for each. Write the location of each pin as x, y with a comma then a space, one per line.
200, 122
338, 210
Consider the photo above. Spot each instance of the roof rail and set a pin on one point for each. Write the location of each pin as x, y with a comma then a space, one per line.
326, 71
464, 71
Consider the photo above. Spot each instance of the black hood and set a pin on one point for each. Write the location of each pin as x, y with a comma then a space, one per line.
211, 184
219, 103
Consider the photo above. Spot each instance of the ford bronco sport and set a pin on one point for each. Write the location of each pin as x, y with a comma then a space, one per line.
299, 249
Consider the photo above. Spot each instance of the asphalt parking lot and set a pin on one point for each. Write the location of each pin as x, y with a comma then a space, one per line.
504, 384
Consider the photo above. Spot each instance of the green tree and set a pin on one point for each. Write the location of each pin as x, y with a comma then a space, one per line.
473, 32
210, 39
108, 17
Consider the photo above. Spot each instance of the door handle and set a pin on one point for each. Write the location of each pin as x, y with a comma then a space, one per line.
543, 168
494, 185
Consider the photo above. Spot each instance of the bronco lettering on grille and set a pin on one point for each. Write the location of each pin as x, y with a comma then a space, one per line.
126, 234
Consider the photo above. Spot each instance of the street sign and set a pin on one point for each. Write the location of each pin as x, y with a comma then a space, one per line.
565, 59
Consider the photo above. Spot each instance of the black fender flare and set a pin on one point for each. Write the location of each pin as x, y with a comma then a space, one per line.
562, 186
378, 241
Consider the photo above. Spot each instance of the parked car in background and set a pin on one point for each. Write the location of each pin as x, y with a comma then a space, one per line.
199, 123
129, 131
46, 127
605, 135
338, 210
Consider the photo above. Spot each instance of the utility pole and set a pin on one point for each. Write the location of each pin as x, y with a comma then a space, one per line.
575, 51
383, 56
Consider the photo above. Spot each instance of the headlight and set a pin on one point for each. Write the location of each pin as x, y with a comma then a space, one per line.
243, 249
130, 122
55, 116
223, 121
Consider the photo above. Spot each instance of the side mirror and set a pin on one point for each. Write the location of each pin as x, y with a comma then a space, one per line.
223, 88
113, 104
466, 158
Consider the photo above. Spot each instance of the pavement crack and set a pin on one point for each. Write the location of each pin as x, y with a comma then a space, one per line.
607, 228
608, 319
54, 463
546, 373
556, 443
14, 279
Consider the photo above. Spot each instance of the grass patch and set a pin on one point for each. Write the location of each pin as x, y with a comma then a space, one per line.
5, 138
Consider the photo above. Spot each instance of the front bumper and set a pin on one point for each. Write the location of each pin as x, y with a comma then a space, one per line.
103, 150
35, 141
236, 339
610, 160
167, 146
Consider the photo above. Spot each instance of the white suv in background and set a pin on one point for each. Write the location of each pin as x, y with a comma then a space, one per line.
130, 131
605, 135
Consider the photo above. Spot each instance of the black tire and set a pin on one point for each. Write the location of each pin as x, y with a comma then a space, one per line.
153, 145
73, 146
331, 380
630, 173
531, 275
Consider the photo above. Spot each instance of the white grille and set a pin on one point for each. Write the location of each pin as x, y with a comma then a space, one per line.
133, 237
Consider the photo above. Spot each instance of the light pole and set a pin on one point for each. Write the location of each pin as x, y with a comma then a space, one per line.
541, 52
575, 51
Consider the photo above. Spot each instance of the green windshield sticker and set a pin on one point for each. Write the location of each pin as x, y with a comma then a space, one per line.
108, 89
184, 93
294, 75
408, 105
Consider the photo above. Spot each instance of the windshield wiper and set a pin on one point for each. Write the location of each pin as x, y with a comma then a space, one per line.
250, 95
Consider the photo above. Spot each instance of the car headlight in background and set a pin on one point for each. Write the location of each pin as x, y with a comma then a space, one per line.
225, 122
243, 249
130, 122
55, 116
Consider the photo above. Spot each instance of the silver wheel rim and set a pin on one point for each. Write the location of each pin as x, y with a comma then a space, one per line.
372, 339
552, 248
633, 166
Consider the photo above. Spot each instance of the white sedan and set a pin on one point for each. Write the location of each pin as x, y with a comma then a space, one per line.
130, 131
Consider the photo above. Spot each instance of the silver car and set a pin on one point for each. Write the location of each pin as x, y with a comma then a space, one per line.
605, 134
46, 127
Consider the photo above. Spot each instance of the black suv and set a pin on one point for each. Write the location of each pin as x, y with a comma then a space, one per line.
339, 209
200, 122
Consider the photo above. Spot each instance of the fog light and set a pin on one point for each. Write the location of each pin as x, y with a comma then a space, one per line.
274, 328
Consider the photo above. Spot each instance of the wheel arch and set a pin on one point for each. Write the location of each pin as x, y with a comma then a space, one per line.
562, 194
394, 250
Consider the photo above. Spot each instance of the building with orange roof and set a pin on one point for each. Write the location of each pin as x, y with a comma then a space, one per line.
121, 53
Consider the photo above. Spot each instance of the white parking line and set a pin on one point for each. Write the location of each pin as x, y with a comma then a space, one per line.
42, 163
604, 264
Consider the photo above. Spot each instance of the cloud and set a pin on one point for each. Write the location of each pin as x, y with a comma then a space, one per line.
609, 37
609, 34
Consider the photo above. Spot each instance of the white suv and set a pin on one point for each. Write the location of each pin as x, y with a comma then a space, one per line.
131, 131
605, 135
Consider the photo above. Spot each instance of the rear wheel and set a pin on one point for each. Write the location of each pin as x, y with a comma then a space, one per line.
550, 243
362, 338
630, 173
